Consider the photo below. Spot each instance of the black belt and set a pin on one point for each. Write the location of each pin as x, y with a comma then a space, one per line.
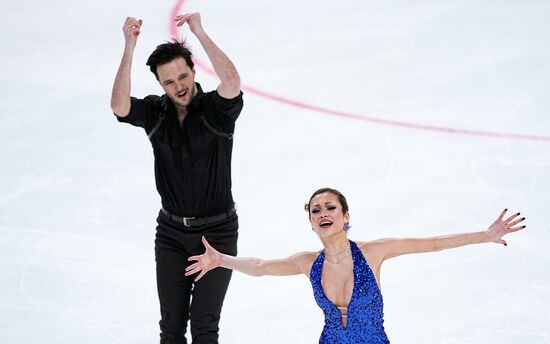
199, 221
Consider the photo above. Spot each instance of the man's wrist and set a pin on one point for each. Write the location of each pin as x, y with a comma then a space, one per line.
129, 47
198, 32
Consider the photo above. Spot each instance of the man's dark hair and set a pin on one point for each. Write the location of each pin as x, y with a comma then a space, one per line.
168, 52
341, 199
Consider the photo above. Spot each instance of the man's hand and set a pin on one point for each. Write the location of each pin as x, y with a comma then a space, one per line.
192, 19
131, 29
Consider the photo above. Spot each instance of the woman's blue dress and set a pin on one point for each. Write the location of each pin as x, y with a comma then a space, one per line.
365, 316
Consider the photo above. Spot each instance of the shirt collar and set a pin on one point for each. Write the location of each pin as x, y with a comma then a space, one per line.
197, 99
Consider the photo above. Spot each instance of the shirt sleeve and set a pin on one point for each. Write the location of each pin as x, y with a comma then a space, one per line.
222, 112
143, 112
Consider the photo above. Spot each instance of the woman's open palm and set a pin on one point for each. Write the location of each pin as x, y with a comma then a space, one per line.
205, 262
503, 226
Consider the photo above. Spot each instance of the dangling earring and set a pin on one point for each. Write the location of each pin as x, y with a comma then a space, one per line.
346, 226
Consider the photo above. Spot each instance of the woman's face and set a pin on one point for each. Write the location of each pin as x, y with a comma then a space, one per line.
325, 214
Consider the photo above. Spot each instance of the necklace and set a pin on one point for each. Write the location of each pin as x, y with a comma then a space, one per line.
335, 258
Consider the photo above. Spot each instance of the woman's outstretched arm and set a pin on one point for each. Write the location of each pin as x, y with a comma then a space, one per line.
389, 248
252, 266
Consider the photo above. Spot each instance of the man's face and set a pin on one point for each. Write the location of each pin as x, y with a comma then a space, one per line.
178, 81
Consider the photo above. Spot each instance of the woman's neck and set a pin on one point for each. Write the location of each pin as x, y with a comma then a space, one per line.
335, 246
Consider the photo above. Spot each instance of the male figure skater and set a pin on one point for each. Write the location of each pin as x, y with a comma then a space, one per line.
191, 134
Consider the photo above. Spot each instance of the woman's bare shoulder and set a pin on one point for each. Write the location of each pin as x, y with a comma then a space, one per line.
305, 260
370, 245
306, 256
373, 249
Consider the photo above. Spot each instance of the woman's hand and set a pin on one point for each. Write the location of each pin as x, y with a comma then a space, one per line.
207, 261
502, 226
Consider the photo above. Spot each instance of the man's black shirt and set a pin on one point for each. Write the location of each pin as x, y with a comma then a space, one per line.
192, 164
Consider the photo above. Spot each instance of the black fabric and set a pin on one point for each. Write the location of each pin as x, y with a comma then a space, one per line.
150, 134
157, 125
192, 164
181, 299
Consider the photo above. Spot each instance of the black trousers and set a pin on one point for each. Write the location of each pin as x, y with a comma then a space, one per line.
180, 298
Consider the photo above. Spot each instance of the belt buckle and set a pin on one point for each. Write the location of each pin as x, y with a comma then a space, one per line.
185, 219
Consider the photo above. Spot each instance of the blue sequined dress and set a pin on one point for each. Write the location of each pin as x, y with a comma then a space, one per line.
365, 321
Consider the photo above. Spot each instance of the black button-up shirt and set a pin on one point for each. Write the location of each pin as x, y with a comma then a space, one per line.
192, 164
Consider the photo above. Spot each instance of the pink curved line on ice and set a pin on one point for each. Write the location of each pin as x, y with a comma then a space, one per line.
312, 107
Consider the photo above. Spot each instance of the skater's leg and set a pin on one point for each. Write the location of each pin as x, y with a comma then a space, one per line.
208, 293
174, 289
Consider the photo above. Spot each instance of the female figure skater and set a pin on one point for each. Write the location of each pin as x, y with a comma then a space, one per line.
347, 288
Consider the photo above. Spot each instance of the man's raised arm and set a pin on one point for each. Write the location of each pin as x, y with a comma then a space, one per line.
120, 97
230, 85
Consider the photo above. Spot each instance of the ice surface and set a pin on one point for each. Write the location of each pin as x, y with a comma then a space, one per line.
77, 195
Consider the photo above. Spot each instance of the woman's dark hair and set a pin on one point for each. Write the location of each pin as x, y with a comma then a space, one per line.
341, 199
168, 52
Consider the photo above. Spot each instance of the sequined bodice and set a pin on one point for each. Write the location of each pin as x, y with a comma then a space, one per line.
365, 321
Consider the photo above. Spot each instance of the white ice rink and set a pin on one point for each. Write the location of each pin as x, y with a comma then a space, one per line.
78, 200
